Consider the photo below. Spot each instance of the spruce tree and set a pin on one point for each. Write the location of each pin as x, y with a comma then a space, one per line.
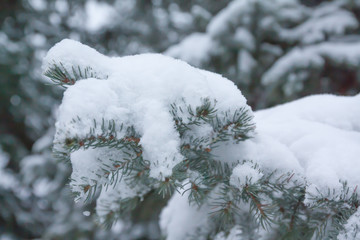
28, 28
140, 129
27, 106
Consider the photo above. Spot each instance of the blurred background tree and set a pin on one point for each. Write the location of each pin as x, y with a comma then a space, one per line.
277, 51
273, 50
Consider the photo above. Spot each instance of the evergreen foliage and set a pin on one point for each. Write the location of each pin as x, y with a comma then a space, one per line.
28, 28
272, 202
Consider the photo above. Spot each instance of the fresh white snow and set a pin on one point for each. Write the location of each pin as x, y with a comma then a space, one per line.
351, 228
178, 213
133, 91
244, 174
323, 133
317, 138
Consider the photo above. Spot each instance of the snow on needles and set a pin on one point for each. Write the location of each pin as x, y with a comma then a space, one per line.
136, 91
351, 228
244, 174
323, 133
317, 137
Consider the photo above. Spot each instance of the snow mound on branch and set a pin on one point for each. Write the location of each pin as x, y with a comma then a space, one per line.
317, 137
323, 133
72, 54
136, 91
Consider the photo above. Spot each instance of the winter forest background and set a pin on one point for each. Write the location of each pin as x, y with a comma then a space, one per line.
275, 51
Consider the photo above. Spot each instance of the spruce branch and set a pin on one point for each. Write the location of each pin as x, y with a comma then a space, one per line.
197, 152
62, 76
274, 202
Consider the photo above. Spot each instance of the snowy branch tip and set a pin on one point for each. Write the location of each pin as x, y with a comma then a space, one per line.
135, 91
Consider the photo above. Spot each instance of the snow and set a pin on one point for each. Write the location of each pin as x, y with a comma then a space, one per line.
93, 166
244, 174
313, 57
199, 12
180, 19
38, 5
98, 15
74, 54
246, 64
138, 91
295, 82
316, 138
263, 150
4, 158
62, 6
245, 38
42, 187
327, 20
234, 234
195, 49
351, 228
44, 143
32, 166
237, 11
36, 40
110, 196
295, 24
7, 180
226, 17
178, 213
323, 133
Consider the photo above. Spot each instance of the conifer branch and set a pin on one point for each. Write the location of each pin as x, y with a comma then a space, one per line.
62, 76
